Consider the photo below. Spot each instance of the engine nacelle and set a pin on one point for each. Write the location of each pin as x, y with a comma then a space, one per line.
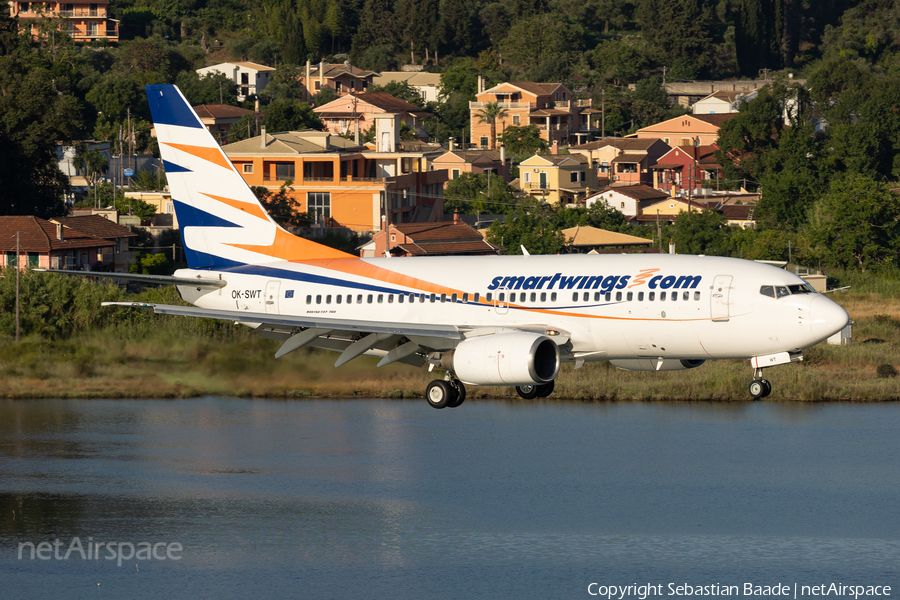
649, 364
520, 358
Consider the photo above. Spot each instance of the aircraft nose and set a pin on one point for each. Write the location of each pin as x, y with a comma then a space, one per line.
826, 317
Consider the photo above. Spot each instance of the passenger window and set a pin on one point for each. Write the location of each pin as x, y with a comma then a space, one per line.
651, 296
781, 291
412, 298
401, 298
629, 296
662, 295
543, 296
552, 296
501, 297
443, 297
319, 299
596, 296
432, 298
349, 298
477, 296
686, 296
453, 298
608, 296
380, 298
328, 299
640, 296
359, 299
618, 296
767, 290
465, 298
390, 298
422, 298
674, 296
309, 299
575, 297
488, 297
696, 295
533, 296
512, 297
338, 298
370, 298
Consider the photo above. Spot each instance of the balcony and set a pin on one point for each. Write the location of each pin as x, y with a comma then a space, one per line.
584, 103
535, 185
481, 105
552, 126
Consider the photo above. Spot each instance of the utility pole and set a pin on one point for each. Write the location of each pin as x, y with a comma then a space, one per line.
18, 271
602, 112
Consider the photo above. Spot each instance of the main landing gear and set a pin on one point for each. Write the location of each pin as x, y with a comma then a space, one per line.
448, 393
528, 392
759, 387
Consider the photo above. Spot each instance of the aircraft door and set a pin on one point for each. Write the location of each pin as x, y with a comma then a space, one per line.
719, 300
501, 307
272, 290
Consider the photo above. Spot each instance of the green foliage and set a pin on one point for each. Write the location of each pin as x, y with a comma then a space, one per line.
701, 232
152, 264
379, 57
538, 234
469, 194
281, 206
523, 141
886, 371
134, 206
400, 90
325, 96
147, 180
212, 88
855, 225
290, 115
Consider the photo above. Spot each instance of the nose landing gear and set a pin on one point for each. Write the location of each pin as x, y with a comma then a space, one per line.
759, 387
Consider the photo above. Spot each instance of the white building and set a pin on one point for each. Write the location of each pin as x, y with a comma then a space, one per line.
627, 199
250, 78
427, 84
722, 102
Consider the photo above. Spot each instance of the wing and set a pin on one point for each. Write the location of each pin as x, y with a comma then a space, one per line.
404, 342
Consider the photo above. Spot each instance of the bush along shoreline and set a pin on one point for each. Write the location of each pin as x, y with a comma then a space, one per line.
70, 347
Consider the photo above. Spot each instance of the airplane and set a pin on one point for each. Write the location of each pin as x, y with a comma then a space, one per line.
483, 321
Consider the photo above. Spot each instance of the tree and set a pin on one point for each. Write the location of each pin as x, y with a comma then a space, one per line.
289, 115
857, 224
134, 206
491, 113
537, 233
701, 232
244, 128
469, 194
524, 140
680, 31
211, 88
91, 163
282, 207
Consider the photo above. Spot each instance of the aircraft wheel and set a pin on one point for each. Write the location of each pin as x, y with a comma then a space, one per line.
768, 387
528, 392
459, 394
546, 389
438, 393
757, 389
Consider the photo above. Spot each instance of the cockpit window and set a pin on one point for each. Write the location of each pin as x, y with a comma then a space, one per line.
781, 291
802, 288
767, 290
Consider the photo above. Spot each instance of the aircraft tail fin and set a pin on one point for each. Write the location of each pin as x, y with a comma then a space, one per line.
222, 222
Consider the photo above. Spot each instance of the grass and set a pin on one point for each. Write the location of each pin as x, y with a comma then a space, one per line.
149, 356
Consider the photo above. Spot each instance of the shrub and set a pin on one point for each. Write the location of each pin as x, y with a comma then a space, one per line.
886, 371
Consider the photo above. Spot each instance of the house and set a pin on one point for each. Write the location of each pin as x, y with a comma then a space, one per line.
686, 130
121, 256
343, 79
447, 238
548, 106
668, 210
251, 78
47, 245
738, 215
427, 84
342, 115
556, 178
722, 102
597, 241
627, 199
219, 118
623, 161
457, 162
341, 184
686, 167
82, 21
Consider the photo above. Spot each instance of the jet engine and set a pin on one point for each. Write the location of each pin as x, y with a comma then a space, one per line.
650, 364
519, 358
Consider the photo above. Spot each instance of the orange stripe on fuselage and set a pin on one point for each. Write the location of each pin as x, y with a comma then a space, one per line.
291, 248
213, 155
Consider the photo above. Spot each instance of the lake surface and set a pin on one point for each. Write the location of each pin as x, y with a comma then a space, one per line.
393, 499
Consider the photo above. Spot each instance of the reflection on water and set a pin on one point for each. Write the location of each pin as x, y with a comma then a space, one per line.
497, 499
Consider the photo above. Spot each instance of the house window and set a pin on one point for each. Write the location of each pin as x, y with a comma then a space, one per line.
318, 205
581, 176
11, 259
92, 28
248, 168
687, 142
484, 142
573, 176
94, 10
284, 171
622, 205
318, 86
515, 119
527, 178
34, 259
454, 174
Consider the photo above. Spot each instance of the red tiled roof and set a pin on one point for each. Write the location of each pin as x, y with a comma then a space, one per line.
96, 226
541, 89
38, 235
431, 232
388, 103
220, 111
716, 119
460, 247
639, 192
736, 212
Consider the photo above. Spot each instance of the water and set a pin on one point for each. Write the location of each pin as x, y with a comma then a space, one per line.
392, 499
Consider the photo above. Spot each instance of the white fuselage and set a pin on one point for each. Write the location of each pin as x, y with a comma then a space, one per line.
611, 306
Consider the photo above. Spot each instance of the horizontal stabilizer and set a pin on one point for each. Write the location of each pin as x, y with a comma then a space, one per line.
158, 279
